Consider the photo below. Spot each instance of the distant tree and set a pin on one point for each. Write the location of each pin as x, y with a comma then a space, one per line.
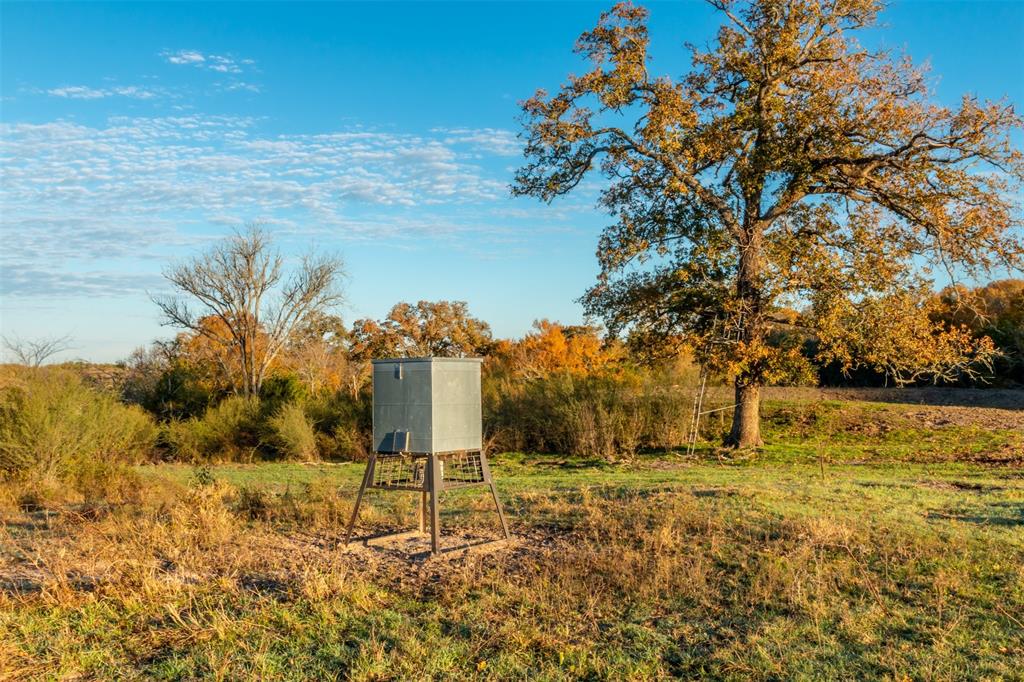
318, 353
441, 328
994, 310
167, 382
34, 352
553, 347
242, 283
218, 366
790, 166
144, 368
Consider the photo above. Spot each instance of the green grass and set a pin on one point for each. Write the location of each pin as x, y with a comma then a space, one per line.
908, 492
904, 561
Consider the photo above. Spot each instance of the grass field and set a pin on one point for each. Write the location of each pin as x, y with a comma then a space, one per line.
866, 541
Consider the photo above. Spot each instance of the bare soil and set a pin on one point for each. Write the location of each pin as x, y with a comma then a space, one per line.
1000, 398
985, 408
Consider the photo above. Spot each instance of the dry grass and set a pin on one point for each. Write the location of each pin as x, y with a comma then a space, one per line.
866, 541
647, 571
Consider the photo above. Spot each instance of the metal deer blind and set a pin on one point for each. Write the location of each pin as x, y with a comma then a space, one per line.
427, 434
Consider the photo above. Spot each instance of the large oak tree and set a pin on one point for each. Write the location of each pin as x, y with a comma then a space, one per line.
790, 166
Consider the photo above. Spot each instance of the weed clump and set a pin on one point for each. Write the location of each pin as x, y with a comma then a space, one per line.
293, 434
229, 431
253, 503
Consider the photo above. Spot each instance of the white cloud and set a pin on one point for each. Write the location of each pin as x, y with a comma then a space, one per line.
489, 140
241, 85
26, 282
225, 64
221, 63
130, 190
183, 57
78, 92
133, 91
86, 92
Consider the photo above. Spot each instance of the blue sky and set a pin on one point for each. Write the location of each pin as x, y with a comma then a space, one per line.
133, 134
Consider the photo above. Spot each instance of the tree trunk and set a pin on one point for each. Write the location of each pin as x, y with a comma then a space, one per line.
746, 418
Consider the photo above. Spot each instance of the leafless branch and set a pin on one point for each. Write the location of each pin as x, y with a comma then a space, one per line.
34, 352
244, 301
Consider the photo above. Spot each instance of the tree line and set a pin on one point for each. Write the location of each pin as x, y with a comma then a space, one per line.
306, 348
573, 389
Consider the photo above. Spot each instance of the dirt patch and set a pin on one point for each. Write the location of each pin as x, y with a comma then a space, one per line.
997, 398
1007, 454
984, 417
403, 560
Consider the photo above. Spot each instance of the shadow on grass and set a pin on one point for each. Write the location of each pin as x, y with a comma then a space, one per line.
569, 464
1002, 398
16, 587
20, 586
1006, 514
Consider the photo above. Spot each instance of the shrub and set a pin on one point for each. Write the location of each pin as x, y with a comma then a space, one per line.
281, 389
53, 427
182, 440
168, 390
342, 424
229, 431
201, 476
292, 433
345, 442
600, 415
101, 482
9, 498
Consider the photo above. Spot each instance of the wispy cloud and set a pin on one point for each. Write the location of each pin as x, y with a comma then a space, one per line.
86, 92
240, 85
29, 282
220, 63
183, 57
136, 187
490, 140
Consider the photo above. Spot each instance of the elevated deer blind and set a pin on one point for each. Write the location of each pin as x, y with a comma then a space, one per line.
427, 435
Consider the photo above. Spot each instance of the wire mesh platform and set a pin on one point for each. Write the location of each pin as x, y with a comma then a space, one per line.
399, 472
461, 468
429, 475
402, 471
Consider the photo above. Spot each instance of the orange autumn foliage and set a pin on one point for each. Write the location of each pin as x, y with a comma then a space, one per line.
209, 351
553, 347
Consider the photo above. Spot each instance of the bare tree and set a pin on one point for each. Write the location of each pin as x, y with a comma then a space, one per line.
241, 283
34, 352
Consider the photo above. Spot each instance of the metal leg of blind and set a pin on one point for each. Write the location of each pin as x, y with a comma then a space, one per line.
435, 503
430, 492
486, 471
367, 477
424, 510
